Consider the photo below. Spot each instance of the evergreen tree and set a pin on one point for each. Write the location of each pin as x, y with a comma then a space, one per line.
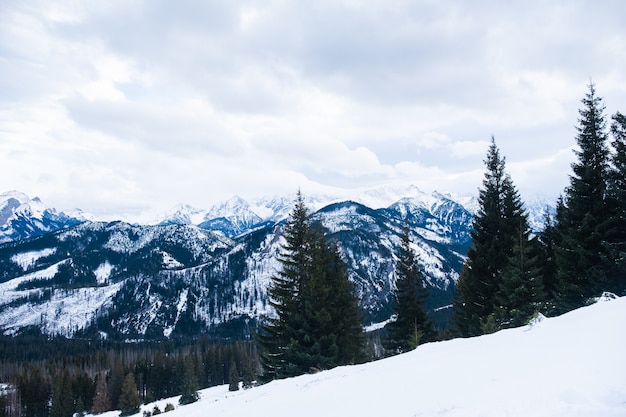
189, 387
583, 218
411, 325
233, 375
279, 334
317, 324
616, 278
493, 236
101, 400
547, 242
129, 399
521, 290
62, 402
4, 402
35, 392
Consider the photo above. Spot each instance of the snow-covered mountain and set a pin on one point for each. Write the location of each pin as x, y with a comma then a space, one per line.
542, 369
208, 270
135, 281
21, 217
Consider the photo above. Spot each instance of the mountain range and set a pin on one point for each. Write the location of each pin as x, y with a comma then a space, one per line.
207, 271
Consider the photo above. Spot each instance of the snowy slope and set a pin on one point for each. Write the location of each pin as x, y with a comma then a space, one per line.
569, 366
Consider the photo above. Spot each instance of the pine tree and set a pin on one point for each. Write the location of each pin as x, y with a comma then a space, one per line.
411, 325
493, 237
317, 324
189, 387
101, 400
233, 375
521, 290
616, 278
583, 218
547, 243
278, 335
62, 402
129, 399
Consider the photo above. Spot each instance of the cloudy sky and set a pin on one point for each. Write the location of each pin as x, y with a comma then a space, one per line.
126, 107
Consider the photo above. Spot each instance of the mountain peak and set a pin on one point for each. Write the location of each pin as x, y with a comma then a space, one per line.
22, 217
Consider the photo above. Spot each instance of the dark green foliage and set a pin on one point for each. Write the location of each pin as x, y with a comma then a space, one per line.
101, 400
35, 392
233, 376
190, 382
546, 239
62, 401
129, 398
411, 325
583, 218
616, 276
3, 406
317, 324
495, 224
521, 290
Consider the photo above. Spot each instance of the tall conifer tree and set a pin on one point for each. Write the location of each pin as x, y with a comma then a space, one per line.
493, 236
279, 335
616, 279
521, 290
129, 398
411, 325
317, 323
101, 400
583, 218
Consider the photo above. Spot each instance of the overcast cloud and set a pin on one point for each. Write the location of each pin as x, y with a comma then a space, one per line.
127, 107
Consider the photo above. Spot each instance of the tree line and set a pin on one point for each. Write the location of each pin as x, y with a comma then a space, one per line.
511, 273
80, 377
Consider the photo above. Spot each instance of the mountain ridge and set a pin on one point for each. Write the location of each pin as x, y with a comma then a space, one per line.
177, 279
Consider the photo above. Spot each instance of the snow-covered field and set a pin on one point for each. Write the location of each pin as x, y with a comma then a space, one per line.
569, 366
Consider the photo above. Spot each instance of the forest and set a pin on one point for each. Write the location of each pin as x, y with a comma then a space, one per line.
510, 274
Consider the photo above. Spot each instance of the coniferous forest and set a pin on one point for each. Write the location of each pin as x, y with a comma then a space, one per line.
510, 275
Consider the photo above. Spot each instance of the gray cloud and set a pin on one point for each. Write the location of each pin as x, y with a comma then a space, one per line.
134, 98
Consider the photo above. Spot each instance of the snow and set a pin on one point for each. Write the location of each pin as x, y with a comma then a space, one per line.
8, 290
180, 307
568, 366
169, 262
63, 314
27, 259
103, 273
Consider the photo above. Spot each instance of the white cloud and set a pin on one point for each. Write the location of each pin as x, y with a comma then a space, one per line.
129, 106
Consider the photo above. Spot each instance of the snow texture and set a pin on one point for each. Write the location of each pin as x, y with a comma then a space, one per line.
568, 366
28, 259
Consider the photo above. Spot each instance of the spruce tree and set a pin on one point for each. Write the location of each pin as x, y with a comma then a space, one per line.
189, 392
583, 218
101, 400
62, 402
521, 290
129, 398
493, 236
279, 335
411, 325
317, 324
547, 242
616, 278
233, 375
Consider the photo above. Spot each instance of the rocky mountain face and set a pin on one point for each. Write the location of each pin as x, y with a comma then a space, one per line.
21, 217
180, 279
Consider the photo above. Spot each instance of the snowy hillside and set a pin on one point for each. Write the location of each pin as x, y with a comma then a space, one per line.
568, 366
